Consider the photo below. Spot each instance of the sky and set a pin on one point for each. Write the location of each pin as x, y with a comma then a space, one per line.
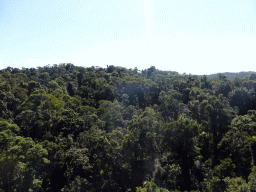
187, 36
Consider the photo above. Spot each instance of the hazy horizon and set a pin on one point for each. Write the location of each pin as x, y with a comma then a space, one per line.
51, 65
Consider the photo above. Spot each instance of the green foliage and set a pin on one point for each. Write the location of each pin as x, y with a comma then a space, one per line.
224, 169
174, 175
179, 137
150, 187
40, 99
212, 185
241, 98
219, 176
21, 160
231, 76
169, 103
69, 128
7, 125
237, 184
111, 114
252, 179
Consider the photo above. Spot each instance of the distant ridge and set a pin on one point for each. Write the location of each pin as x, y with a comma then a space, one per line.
229, 75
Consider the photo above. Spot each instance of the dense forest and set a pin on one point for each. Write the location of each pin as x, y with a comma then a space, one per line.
68, 128
230, 76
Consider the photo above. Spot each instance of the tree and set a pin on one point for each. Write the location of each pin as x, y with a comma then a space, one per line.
111, 114
150, 187
240, 98
21, 160
179, 138
44, 78
219, 175
216, 115
168, 103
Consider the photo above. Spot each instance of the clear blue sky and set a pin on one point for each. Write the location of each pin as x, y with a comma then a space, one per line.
191, 36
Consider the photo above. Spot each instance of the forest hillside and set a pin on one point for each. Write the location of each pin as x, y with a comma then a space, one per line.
230, 76
68, 128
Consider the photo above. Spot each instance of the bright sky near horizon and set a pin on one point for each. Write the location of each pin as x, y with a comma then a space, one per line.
187, 36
